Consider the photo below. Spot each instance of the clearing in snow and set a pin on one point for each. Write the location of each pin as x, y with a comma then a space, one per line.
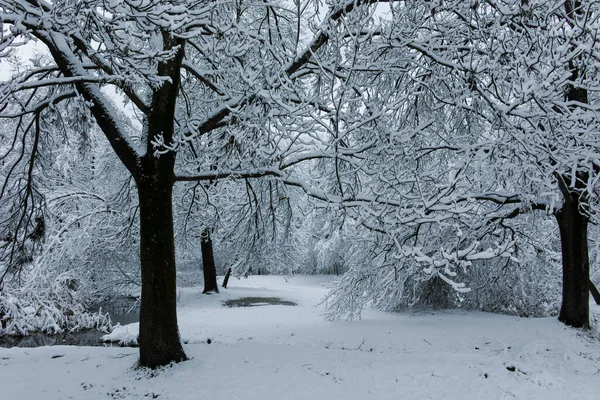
274, 352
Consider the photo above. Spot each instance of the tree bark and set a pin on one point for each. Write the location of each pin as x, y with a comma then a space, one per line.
159, 333
573, 225
208, 263
159, 339
226, 279
595, 293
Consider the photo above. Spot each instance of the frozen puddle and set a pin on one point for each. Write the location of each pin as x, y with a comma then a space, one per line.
257, 302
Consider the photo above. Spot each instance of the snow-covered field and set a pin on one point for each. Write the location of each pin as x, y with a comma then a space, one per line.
285, 352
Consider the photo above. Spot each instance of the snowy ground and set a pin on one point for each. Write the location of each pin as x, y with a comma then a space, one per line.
284, 352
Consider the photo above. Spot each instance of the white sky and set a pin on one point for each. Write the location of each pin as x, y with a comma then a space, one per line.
24, 53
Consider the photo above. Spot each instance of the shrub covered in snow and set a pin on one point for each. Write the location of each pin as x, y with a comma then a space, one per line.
47, 303
526, 283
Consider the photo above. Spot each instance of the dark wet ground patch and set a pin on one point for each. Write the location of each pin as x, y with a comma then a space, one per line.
257, 302
36, 339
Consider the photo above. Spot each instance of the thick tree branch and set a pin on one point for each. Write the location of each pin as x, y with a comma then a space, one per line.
99, 105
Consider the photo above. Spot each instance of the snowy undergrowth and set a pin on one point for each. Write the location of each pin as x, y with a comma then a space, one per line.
292, 352
47, 303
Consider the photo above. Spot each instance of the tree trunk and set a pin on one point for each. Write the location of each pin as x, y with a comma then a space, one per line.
572, 224
208, 263
226, 279
575, 308
159, 333
594, 291
159, 339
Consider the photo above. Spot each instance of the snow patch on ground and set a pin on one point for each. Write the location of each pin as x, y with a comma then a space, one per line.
124, 335
281, 352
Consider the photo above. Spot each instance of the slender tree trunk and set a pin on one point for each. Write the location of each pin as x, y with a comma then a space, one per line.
226, 279
208, 263
573, 225
159, 333
595, 293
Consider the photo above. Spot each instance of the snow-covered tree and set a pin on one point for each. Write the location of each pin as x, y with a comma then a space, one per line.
533, 67
423, 132
489, 110
255, 94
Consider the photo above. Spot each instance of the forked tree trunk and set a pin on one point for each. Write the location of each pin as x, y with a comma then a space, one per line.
159, 333
159, 339
208, 263
573, 225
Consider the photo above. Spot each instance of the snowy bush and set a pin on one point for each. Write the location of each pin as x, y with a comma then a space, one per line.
531, 288
47, 303
329, 254
388, 287
525, 281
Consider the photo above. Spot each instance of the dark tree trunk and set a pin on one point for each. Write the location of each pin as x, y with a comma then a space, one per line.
159, 339
159, 333
226, 279
208, 263
594, 291
573, 225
